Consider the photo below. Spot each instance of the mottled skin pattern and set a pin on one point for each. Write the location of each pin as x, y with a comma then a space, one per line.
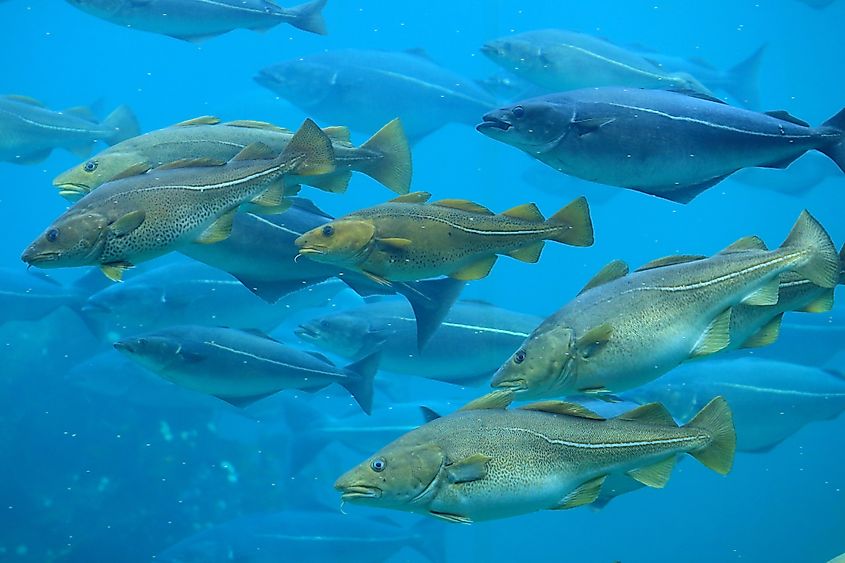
657, 317
527, 472
218, 142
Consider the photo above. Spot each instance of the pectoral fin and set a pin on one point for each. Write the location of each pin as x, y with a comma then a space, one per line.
115, 270
477, 270
716, 337
394, 242
594, 339
468, 469
587, 126
656, 475
768, 334
585, 493
219, 230
453, 518
128, 223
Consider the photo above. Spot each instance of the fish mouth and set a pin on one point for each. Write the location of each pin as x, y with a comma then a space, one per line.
510, 384
33, 257
307, 332
491, 122
124, 346
354, 492
491, 50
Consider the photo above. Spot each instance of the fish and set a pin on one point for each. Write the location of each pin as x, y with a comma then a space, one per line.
141, 217
242, 367
486, 462
193, 293
261, 254
198, 20
408, 239
365, 88
739, 81
624, 330
693, 142
559, 60
29, 296
804, 175
29, 131
491, 332
385, 156
770, 400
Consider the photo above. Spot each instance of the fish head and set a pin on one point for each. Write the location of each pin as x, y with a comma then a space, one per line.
158, 352
75, 183
344, 242
126, 299
299, 81
535, 125
77, 238
346, 334
542, 364
400, 476
523, 55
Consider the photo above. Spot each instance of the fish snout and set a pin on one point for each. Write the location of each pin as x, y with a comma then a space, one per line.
307, 331
493, 122
128, 346
509, 383
356, 491
494, 49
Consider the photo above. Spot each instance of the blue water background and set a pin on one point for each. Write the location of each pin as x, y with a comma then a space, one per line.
91, 476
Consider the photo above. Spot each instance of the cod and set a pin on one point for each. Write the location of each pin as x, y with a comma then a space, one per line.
624, 330
407, 239
134, 219
485, 462
385, 156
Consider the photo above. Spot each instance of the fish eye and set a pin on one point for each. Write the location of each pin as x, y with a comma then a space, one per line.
90, 166
52, 235
519, 357
378, 464
328, 231
518, 111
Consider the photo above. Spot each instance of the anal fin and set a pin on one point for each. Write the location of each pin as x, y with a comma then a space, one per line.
767, 334
716, 337
530, 253
655, 475
219, 230
585, 493
477, 270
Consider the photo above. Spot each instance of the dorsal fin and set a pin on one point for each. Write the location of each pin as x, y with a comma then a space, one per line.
463, 205
652, 413
526, 212
429, 414
561, 407
259, 333
25, 100
419, 52
413, 197
251, 124
785, 116
191, 163
752, 242
255, 151
338, 133
494, 400
202, 120
670, 261
82, 112
612, 271
134, 170
695, 93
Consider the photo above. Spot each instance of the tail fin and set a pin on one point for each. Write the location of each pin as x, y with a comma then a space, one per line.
308, 17
123, 125
311, 149
360, 384
431, 301
836, 151
576, 217
823, 268
393, 169
716, 419
742, 79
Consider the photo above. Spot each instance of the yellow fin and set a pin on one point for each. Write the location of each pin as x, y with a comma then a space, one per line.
336, 182
612, 271
25, 100
670, 261
651, 413
529, 253
453, 518
560, 407
655, 475
115, 270
255, 151
764, 295
128, 223
585, 493
393, 167
493, 400
191, 163
413, 197
377, 279
471, 468
767, 334
395, 242
752, 242
134, 170
526, 212
477, 270
311, 151
594, 339
219, 230
251, 124
716, 337
203, 120
822, 304
717, 421
463, 205
338, 133
273, 196
824, 267
576, 218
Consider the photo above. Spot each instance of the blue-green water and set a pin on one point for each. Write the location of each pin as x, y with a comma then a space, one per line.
104, 464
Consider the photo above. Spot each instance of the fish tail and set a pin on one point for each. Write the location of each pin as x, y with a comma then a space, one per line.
430, 301
836, 151
360, 384
123, 125
312, 149
823, 267
742, 79
308, 17
576, 218
393, 168
716, 419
